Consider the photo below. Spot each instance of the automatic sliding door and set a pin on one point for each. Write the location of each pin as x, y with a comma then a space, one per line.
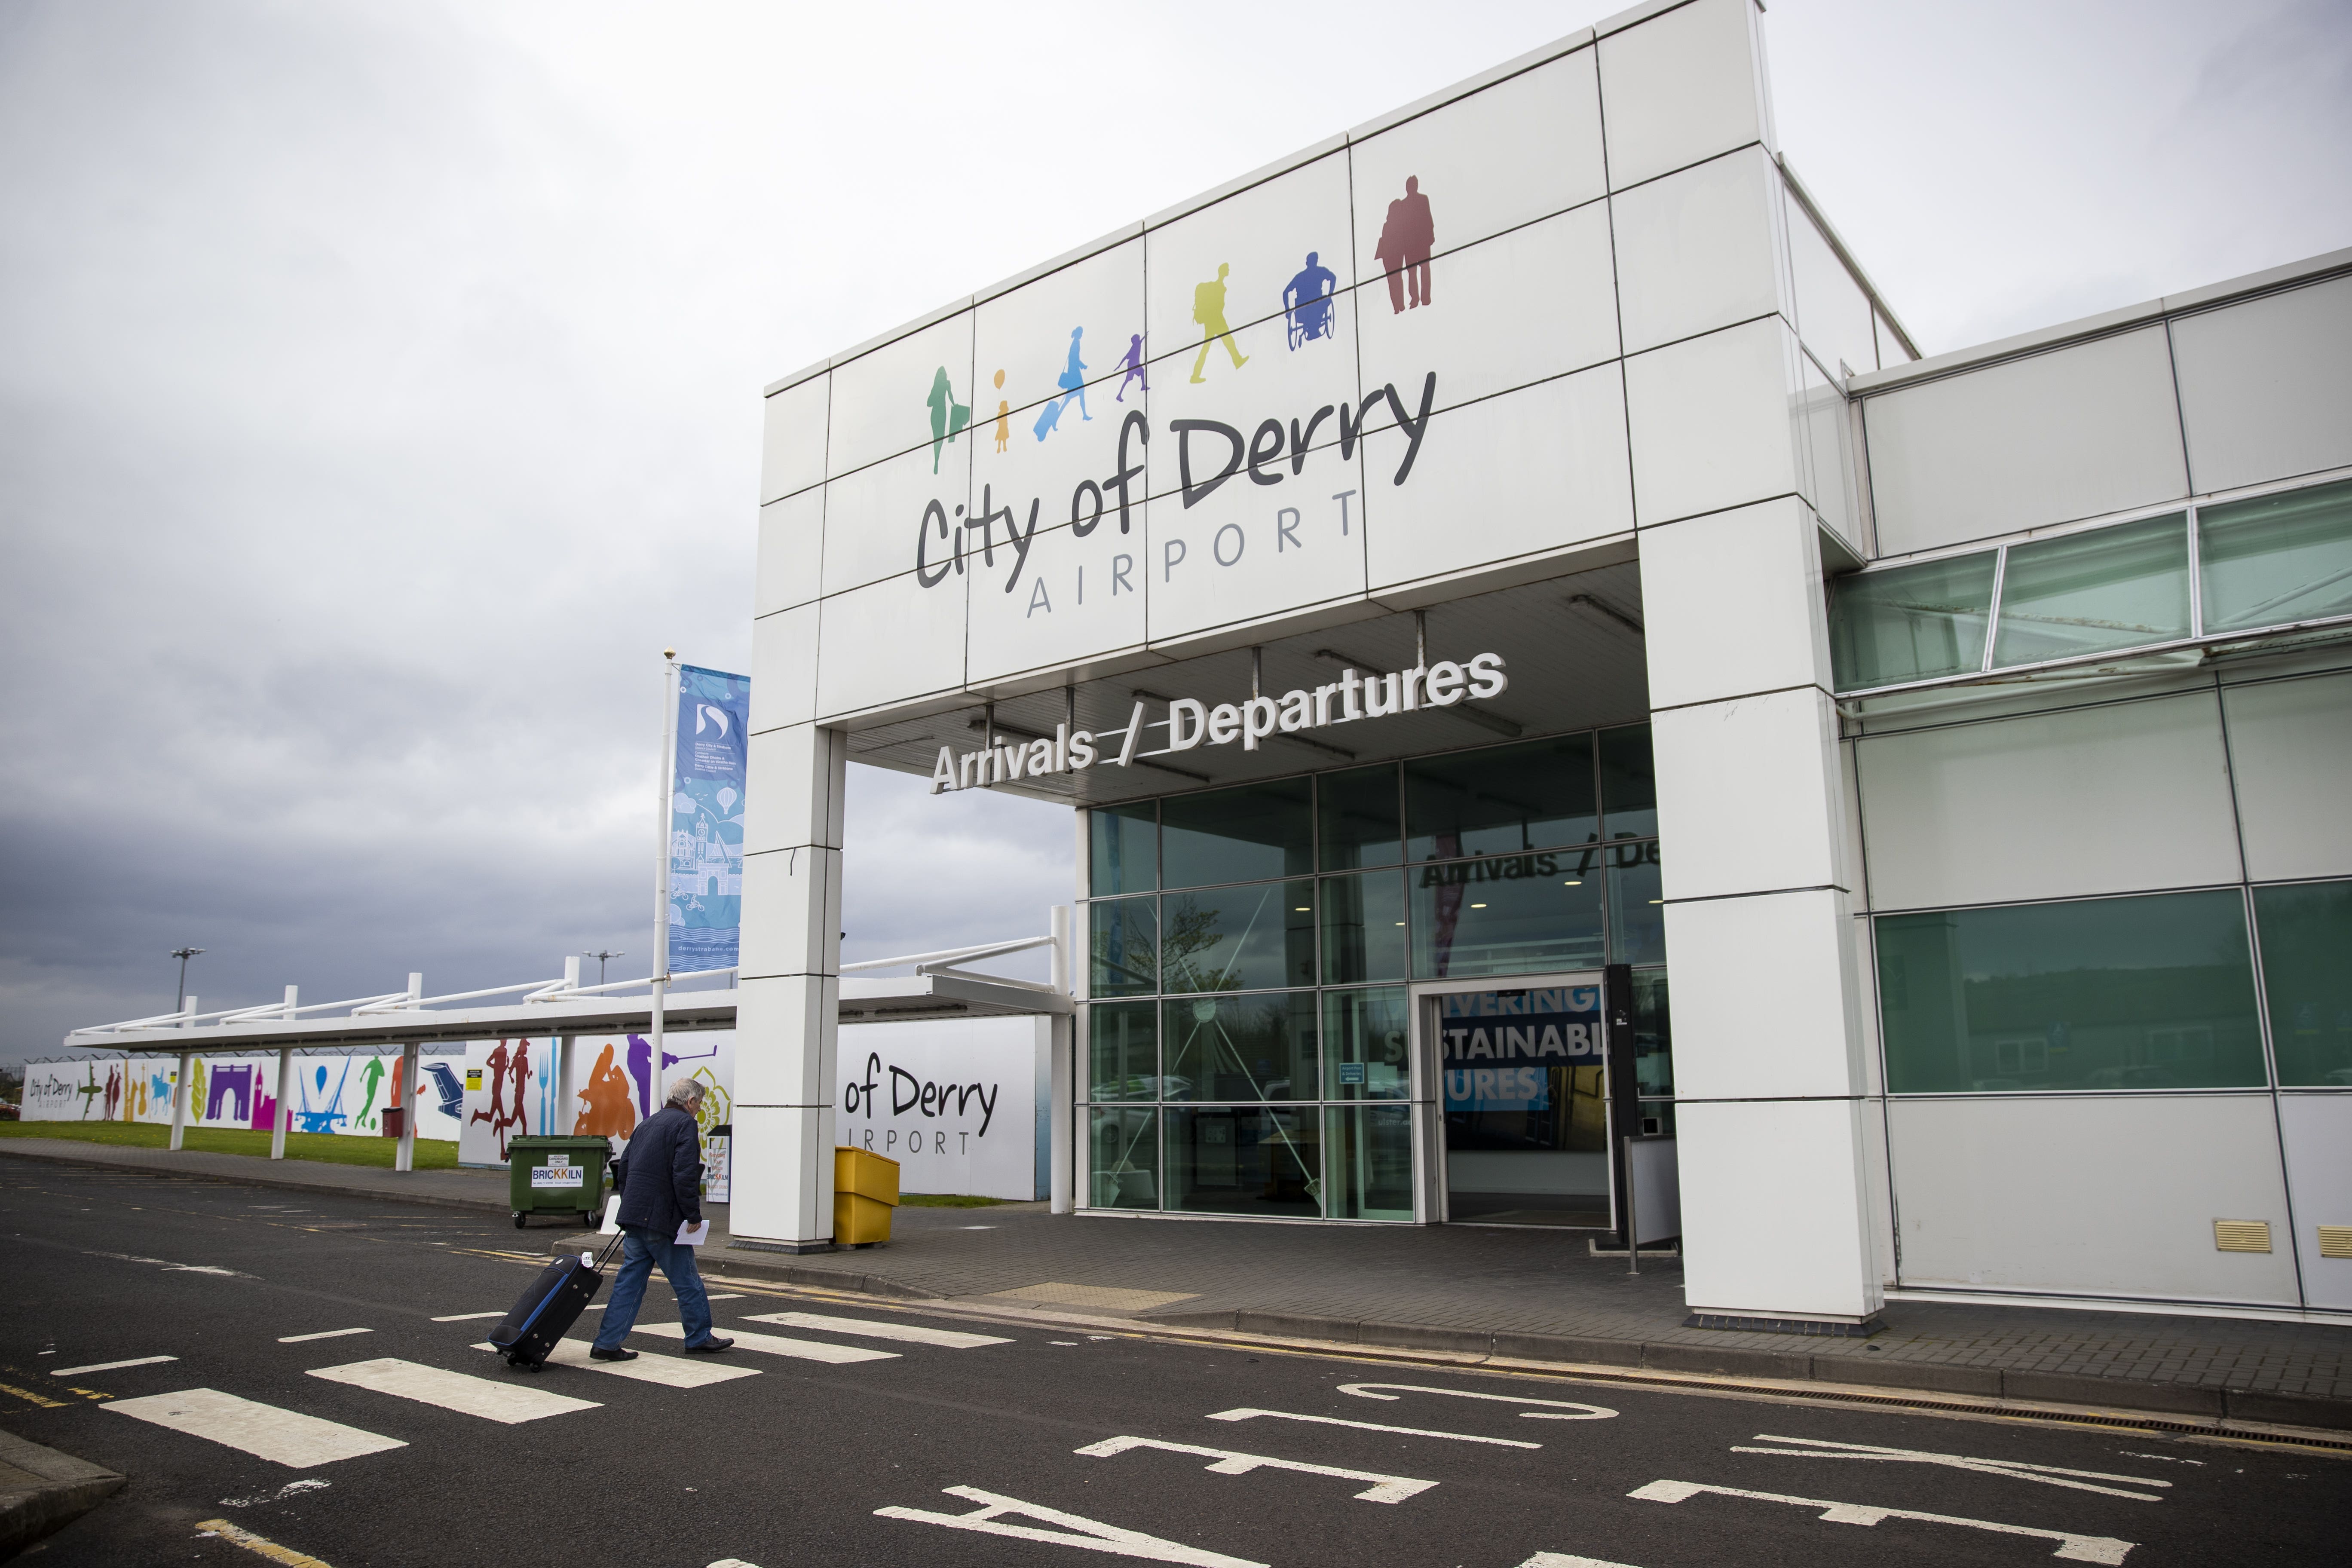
1524, 1102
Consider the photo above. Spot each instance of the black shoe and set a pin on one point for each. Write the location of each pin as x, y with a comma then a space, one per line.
615, 1354
711, 1346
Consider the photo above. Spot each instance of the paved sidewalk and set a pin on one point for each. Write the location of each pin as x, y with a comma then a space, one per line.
1481, 1290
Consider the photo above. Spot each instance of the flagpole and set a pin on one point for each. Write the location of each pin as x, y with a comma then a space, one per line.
669, 776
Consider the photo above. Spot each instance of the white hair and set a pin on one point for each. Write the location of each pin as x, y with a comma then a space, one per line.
683, 1090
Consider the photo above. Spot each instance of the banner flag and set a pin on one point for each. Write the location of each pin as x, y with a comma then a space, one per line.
706, 822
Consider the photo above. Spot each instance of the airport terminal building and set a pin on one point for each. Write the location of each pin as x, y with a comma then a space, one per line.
1562, 705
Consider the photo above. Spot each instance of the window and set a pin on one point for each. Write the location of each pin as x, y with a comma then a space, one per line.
1629, 782
1501, 800
2306, 934
1911, 623
1637, 913
1248, 1048
1238, 939
1123, 948
1357, 813
2279, 559
1367, 1045
1363, 928
1242, 835
1123, 1051
1518, 914
2089, 593
1123, 848
2104, 994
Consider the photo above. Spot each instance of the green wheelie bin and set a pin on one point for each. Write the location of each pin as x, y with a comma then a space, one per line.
564, 1176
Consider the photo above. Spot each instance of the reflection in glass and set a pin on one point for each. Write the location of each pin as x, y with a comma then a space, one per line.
1233, 1159
1367, 1045
2307, 977
1241, 1048
1363, 928
2104, 993
1913, 623
1239, 939
1501, 800
1629, 782
1637, 911
1123, 1156
1525, 1105
1370, 1150
1356, 815
1657, 1120
1123, 1050
1515, 915
2278, 559
1653, 1035
1236, 835
1123, 851
1123, 947
2087, 592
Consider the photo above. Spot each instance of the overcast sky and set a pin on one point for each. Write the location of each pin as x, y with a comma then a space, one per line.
379, 389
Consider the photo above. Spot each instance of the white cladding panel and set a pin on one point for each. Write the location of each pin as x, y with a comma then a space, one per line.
792, 442
2291, 747
2090, 1195
1520, 150
1679, 88
1833, 315
1712, 422
1696, 250
1776, 828
792, 551
1076, 599
1565, 481
2265, 386
1775, 1217
872, 517
882, 400
982, 1137
1261, 236
2115, 799
896, 639
1024, 335
783, 668
1248, 551
2076, 432
1733, 603
2317, 1132
1759, 985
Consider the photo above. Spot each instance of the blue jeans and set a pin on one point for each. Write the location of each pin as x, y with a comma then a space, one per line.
640, 1250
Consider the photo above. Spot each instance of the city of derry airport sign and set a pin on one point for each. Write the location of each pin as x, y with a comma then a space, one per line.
1353, 697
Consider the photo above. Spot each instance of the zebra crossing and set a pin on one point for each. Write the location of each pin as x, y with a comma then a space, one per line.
300, 1440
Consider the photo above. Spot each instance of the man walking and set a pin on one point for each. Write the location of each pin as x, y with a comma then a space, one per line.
660, 1191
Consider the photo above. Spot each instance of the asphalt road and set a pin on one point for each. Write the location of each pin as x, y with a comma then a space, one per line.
1051, 1448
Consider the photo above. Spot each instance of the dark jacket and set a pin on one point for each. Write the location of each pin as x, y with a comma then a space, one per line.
662, 1180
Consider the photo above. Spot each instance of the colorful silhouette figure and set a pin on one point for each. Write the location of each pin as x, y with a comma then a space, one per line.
1306, 301
1004, 415
324, 1118
370, 1077
1407, 237
90, 1091
196, 1082
451, 1093
496, 1114
1209, 310
641, 1068
609, 1113
1048, 417
1133, 365
1073, 379
947, 416
228, 1083
113, 1090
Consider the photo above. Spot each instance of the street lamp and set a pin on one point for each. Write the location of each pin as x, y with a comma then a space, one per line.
180, 1002
600, 958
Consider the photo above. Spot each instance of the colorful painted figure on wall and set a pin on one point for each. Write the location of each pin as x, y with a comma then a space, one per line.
228, 1083
1003, 416
608, 1113
1407, 237
322, 1117
1133, 365
502, 1065
90, 1091
371, 1077
113, 1090
641, 1068
1306, 301
947, 416
1209, 311
1073, 379
446, 1085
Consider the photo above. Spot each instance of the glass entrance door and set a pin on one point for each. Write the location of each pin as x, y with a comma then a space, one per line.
1522, 1099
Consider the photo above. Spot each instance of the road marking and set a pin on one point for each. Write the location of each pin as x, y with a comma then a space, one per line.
2047, 1474
2071, 1547
43, 1400
1557, 1559
468, 1317
1085, 1534
669, 1370
322, 1334
1247, 1415
291, 1488
911, 1332
730, 1295
1553, 1409
1384, 1488
284, 1437
258, 1545
776, 1344
112, 1366
505, 1403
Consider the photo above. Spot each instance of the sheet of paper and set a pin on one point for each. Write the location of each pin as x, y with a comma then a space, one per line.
612, 1226
693, 1235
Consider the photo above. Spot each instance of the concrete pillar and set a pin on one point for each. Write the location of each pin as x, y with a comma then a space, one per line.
1061, 1080
1752, 819
406, 1158
180, 1100
789, 996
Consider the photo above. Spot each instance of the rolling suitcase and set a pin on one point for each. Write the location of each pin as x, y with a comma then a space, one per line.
548, 1307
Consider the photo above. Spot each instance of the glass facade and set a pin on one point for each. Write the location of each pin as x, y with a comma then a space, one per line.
2275, 561
1250, 1043
2306, 937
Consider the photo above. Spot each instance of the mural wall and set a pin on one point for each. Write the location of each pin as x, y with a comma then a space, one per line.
514, 1088
345, 1095
962, 1105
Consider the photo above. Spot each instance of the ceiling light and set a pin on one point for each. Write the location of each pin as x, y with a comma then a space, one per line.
1477, 905
1304, 910
1572, 882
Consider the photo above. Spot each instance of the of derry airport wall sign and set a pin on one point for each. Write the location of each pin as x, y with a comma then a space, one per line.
1354, 697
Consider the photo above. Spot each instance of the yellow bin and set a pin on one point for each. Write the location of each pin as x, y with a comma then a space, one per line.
864, 1191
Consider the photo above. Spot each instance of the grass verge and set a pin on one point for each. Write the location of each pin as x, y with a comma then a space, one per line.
326, 1148
946, 1201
